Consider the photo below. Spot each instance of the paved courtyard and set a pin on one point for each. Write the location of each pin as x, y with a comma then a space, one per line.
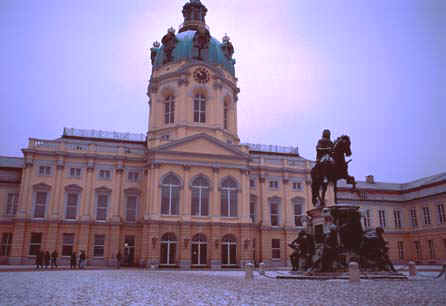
144, 287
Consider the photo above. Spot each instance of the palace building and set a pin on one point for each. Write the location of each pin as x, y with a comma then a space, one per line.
188, 193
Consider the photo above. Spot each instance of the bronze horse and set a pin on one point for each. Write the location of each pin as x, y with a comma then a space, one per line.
331, 171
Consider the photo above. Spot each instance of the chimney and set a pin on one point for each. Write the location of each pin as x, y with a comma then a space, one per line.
369, 179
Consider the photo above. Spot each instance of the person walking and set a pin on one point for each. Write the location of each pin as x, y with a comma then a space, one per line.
39, 259
118, 260
54, 259
82, 258
73, 260
47, 259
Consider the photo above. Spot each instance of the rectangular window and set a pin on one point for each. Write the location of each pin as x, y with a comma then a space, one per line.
431, 249
297, 186
382, 218
252, 183
298, 215
441, 215
99, 243
5, 247
133, 176
200, 109
413, 217
427, 215
75, 172
275, 248
225, 115
44, 170
131, 209
252, 208
274, 214
71, 210
104, 174
169, 110
11, 204
418, 249
397, 219
101, 207
40, 206
401, 249
67, 244
36, 241
367, 219
273, 184
229, 206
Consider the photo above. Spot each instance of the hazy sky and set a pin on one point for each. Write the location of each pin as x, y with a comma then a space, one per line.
375, 70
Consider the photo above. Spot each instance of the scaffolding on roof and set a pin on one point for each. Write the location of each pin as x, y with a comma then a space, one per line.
103, 134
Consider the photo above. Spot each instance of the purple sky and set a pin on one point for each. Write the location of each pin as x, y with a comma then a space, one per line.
375, 70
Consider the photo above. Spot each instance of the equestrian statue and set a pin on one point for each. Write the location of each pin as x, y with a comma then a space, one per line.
330, 166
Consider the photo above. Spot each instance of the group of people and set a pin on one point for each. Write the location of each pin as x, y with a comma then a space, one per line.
43, 260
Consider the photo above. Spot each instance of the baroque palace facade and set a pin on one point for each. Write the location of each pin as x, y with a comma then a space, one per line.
188, 194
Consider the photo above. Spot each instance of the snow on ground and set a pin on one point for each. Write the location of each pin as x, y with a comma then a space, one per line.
147, 287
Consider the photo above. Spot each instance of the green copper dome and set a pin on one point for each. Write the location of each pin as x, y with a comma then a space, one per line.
185, 49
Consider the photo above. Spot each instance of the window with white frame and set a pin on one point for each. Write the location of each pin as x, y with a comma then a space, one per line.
382, 218
44, 170
427, 215
397, 219
170, 195
40, 204
275, 245
367, 218
297, 186
229, 207
99, 243
71, 207
75, 172
67, 244
200, 196
431, 249
418, 249
104, 174
298, 208
131, 208
252, 207
11, 204
274, 204
35, 243
273, 184
441, 215
133, 176
169, 110
101, 206
413, 217
5, 246
200, 108
401, 249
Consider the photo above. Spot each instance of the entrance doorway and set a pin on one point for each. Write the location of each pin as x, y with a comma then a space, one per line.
129, 251
199, 250
229, 251
168, 249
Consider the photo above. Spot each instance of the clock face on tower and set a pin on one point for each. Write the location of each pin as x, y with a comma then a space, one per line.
201, 75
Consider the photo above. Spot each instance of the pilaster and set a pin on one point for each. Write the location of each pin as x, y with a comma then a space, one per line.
18, 243
214, 209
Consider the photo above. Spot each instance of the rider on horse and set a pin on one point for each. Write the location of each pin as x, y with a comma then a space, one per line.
324, 147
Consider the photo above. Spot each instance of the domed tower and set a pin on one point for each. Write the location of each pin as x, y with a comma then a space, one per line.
193, 88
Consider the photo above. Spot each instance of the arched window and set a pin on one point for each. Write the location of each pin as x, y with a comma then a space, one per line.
199, 250
168, 249
170, 195
200, 108
298, 208
200, 196
225, 114
169, 109
229, 190
274, 204
228, 250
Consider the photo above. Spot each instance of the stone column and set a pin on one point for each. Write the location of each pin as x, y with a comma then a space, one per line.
116, 194
83, 241
154, 244
87, 206
215, 203
185, 201
51, 240
55, 209
18, 248
145, 246
114, 243
155, 207
184, 246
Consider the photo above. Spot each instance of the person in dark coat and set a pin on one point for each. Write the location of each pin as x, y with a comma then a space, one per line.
47, 259
73, 260
118, 260
54, 259
82, 258
39, 258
